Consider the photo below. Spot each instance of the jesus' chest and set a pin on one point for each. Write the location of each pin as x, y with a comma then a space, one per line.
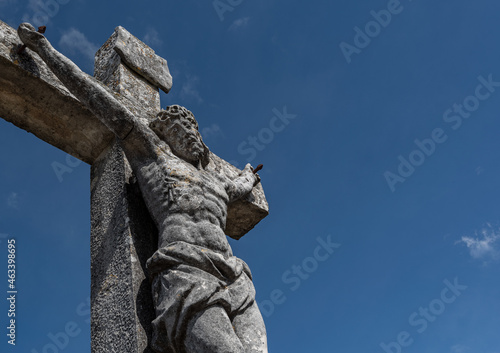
164, 183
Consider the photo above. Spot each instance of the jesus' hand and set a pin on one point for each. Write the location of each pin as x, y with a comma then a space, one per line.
29, 36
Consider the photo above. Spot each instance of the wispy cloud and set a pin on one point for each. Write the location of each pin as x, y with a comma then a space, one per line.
13, 200
189, 89
239, 23
35, 5
152, 38
483, 245
459, 348
211, 131
75, 42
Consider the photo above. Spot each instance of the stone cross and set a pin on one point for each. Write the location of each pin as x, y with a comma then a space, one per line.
123, 236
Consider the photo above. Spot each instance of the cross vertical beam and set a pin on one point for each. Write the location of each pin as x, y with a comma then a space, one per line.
123, 235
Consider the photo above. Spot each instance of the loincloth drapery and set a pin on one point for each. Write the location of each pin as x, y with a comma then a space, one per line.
187, 279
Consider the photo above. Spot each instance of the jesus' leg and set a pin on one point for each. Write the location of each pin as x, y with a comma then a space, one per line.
211, 331
249, 327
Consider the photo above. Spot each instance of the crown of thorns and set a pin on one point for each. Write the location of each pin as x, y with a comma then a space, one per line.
175, 112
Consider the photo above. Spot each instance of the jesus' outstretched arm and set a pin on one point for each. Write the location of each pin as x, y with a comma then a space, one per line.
95, 96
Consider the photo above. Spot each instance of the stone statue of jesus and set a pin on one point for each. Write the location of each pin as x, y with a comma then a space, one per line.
204, 296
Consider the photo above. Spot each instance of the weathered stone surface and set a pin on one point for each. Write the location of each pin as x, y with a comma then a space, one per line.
245, 213
112, 67
33, 99
98, 98
188, 202
217, 309
142, 59
140, 96
123, 237
187, 193
123, 234
142, 99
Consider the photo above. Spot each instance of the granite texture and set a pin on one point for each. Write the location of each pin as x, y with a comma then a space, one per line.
123, 237
123, 233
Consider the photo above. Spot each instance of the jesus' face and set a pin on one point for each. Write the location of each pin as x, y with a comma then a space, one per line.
178, 128
184, 139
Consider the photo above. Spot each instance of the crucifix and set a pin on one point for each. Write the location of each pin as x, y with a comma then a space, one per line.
163, 275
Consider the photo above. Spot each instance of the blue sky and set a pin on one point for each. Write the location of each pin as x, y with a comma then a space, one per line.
389, 152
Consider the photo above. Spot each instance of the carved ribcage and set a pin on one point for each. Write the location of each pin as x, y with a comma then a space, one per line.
156, 187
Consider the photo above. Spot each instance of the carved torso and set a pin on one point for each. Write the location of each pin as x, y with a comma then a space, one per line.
186, 203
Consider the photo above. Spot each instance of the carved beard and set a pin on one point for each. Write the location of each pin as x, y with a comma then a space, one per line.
191, 153
194, 157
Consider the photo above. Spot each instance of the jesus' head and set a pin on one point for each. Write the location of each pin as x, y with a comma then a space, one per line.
178, 128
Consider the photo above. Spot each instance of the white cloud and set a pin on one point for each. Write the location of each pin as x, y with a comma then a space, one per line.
75, 41
39, 12
13, 200
152, 38
482, 245
239, 23
213, 130
188, 89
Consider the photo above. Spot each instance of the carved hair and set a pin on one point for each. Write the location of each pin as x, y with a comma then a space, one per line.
175, 112
158, 125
